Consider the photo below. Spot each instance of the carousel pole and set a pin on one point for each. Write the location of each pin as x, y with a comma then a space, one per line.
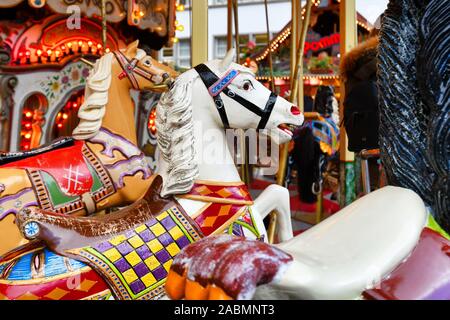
245, 174
104, 27
296, 53
229, 24
272, 78
297, 81
236, 30
348, 30
199, 40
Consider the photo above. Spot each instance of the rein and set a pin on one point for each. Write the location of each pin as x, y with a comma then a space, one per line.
130, 68
216, 86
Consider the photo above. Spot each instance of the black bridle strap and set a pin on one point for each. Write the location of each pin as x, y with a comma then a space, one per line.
210, 79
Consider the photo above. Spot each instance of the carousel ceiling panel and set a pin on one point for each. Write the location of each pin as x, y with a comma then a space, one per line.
115, 9
51, 44
157, 16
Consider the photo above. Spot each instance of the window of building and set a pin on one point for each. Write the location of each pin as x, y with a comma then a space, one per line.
220, 47
179, 54
184, 53
220, 44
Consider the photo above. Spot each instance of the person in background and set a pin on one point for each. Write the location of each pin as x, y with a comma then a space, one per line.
361, 116
315, 143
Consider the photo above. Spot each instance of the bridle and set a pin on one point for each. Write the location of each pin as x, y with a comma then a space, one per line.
131, 68
216, 86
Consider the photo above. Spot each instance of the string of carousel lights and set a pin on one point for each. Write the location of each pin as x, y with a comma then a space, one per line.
56, 54
178, 27
276, 42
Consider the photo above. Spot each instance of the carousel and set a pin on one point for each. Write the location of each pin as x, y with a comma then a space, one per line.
111, 189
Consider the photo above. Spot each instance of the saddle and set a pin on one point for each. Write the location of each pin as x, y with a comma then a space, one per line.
61, 232
131, 249
8, 157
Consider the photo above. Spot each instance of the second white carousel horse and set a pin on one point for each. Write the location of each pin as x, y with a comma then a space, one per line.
212, 97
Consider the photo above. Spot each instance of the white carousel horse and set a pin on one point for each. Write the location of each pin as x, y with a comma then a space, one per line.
245, 104
381, 235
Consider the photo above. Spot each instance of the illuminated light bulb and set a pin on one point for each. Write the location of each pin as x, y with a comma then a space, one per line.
57, 53
107, 50
20, 54
28, 136
60, 125
65, 116
49, 52
180, 7
80, 43
99, 46
75, 105
180, 28
27, 53
141, 13
69, 45
175, 39
90, 43
28, 125
39, 52
176, 22
28, 114
26, 147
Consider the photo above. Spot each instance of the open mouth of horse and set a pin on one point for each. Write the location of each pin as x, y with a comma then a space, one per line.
286, 130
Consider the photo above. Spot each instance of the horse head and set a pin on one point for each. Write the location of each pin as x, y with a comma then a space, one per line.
242, 102
144, 72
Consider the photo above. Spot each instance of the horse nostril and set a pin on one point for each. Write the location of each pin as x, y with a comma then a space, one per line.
295, 111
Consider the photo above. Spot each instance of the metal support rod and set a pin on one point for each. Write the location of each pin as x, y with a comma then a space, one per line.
104, 27
272, 78
349, 39
229, 24
199, 39
297, 81
236, 31
319, 207
365, 176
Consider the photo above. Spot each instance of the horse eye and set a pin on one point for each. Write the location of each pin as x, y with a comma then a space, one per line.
247, 85
147, 62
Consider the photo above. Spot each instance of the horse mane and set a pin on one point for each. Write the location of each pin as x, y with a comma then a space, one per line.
96, 93
413, 79
175, 135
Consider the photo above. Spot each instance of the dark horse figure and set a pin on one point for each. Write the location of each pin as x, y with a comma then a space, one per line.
414, 75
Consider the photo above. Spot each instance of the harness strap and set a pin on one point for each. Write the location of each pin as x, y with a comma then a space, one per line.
130, 68
216, 86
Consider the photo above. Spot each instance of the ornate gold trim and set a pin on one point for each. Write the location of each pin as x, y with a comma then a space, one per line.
214, 199
219, 183
200, 211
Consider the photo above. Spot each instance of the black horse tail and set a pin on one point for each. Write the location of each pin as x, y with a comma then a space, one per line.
433, 69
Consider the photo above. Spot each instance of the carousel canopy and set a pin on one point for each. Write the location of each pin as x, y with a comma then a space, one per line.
322, 46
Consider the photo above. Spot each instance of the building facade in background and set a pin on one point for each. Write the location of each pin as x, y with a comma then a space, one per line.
252, 28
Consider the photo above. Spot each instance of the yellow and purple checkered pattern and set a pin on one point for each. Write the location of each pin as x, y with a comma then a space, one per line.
142, 257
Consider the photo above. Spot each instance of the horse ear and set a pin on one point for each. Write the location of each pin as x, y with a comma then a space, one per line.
226, 62
131, 50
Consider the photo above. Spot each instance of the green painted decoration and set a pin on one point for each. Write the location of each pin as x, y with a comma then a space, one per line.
350, 193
